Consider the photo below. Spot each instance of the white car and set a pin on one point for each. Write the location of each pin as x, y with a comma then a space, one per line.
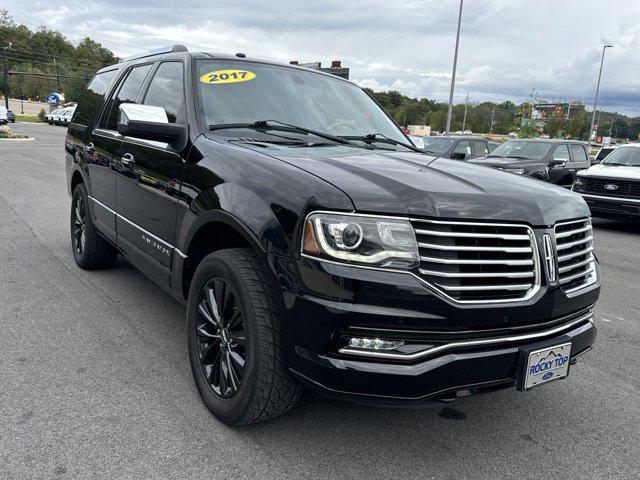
612, 187
50, 116
65, 118
4, 118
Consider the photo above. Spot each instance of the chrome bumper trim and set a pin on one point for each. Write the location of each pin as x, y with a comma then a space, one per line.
588, 317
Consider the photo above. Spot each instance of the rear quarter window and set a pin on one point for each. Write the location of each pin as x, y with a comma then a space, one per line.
92, 99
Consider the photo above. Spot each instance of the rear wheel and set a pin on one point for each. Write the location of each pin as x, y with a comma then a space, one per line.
90, 250
235, 346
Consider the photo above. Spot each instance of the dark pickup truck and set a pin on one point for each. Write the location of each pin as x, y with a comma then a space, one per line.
313, 245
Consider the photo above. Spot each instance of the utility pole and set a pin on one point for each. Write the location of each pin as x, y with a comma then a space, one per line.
464, 119
5, 75
568, 110
532, 98
493, 112
57, 74
453, 74
595, 100
611, 127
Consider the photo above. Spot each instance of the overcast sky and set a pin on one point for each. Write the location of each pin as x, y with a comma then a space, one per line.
507, 47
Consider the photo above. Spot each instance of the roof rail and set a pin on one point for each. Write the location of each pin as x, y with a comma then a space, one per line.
157, 51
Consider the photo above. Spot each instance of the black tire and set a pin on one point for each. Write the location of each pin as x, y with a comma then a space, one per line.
265, 388
90, 250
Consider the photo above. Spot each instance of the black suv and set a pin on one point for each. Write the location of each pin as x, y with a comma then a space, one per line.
458, 147
556, 161
313, 245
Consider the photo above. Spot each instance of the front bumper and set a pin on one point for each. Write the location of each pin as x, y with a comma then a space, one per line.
454, 369
612, 207
454, 349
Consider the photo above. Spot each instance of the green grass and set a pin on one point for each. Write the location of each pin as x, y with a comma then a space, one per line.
27, 118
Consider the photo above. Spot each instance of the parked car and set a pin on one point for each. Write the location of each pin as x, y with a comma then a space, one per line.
314, 245
602, 154
555, 161
66, 115
612, 188
49, 117
58, 118
11, 117
457, 147
4, 118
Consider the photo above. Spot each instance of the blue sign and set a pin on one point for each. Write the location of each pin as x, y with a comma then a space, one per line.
53, 98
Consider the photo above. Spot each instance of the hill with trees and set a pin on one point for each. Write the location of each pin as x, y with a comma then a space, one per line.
52, 63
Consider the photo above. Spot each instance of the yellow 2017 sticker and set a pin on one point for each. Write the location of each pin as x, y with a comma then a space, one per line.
227, 76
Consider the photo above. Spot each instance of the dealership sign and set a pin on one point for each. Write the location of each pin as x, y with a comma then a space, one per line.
54, 98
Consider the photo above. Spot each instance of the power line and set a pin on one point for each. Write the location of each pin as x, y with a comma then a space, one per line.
26, 52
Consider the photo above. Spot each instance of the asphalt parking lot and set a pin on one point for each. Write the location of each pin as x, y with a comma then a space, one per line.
95, 379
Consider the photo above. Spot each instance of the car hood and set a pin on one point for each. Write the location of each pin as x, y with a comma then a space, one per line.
415, 184
605, 171
507, 162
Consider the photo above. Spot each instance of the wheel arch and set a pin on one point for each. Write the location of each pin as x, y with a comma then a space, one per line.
213, 231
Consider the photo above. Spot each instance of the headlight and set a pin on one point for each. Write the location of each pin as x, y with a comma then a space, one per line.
364, 240
519, 171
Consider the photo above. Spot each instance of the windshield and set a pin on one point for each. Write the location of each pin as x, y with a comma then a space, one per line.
624, 156
603, 153
437, 145
523, 150
245, 92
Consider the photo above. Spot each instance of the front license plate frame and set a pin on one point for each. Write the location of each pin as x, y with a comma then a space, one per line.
543, 364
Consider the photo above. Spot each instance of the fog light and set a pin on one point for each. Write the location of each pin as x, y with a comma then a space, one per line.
374, 343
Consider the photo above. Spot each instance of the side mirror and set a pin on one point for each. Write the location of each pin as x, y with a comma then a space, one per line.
557, 162
458, 156
150, 123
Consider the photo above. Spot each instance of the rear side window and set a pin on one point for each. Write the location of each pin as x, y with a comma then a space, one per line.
561, 153
91, 101
479, 148
166, 90
127, 93
578, 153
463, 147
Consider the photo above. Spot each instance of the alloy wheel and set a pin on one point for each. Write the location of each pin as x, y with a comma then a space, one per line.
221, 338
79, 225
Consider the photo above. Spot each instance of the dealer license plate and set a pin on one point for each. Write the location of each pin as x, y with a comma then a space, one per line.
547, 364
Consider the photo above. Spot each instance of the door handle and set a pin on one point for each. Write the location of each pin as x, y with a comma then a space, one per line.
128, 160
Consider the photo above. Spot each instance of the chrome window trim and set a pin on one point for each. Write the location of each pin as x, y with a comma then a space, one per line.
588, 317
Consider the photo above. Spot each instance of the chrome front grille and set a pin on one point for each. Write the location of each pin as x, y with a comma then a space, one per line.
574, 247
478, 262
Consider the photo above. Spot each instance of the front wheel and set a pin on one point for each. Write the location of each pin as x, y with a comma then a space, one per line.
235, 344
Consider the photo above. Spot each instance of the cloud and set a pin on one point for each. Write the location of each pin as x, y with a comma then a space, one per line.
507, 47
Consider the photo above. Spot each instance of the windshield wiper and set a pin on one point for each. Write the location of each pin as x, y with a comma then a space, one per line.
616, 164
379, 137
282, 127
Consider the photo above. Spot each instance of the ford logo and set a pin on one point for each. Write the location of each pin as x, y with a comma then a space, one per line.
547, 376
611, 186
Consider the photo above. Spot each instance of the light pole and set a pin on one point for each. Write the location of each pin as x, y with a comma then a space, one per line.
595, 100
453, 74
